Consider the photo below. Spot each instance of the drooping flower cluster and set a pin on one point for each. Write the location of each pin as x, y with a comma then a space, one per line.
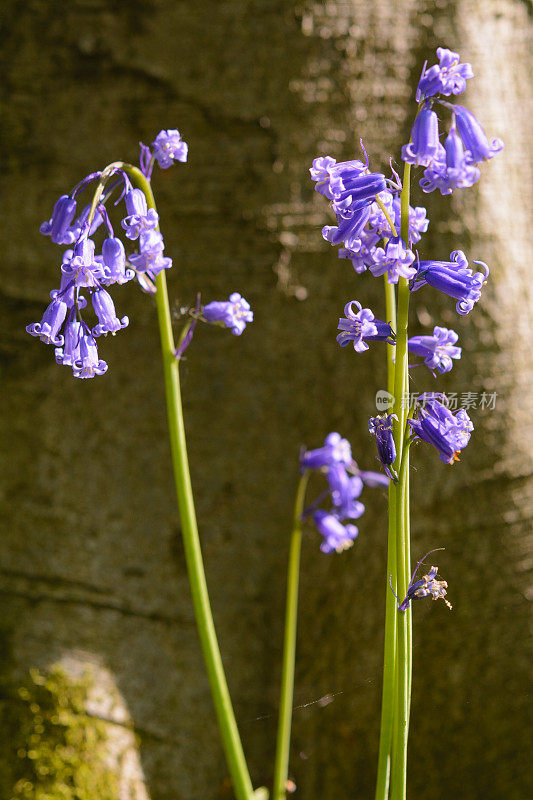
354, 193
454, 164
368, 229
85, 275
345, 482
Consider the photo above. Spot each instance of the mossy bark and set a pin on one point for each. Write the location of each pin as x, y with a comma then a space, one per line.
52, 749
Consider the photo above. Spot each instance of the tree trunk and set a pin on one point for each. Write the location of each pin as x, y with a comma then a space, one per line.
97, 603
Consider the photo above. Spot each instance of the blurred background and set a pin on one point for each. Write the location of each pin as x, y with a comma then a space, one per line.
103, 691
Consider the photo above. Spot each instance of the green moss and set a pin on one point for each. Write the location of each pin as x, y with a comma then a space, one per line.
52, 749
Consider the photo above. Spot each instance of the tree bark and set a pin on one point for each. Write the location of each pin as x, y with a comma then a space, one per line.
92, 568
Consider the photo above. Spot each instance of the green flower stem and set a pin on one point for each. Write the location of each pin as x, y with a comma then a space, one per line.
215, 671
388, 699
409, 612
401, 387
399, 767
281, 764
389, 655
387, 216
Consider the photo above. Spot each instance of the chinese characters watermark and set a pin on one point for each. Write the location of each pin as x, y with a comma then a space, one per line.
486, 401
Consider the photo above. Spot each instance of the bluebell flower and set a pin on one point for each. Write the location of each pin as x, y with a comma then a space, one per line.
88, 364
104, 308
48, 328
113, 260
346, 482
452, 169
81, 266
59, 227
437, 350
349, 228
139, 218
454, 279
361, 327
336, 450
234, 313
427, 586
424, 145
352, 188
169, 147
446, 78
395, 260
352, 193
345, 490
435, 424
321, 173
331, 178
337, 537
473, 137
150, 256
381, 427
70, 353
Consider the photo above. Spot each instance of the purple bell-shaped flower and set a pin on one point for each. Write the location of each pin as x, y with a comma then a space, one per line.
104, 308
437, 350
454, 279
337, 537
70, 353
395, 260
452, 170
234, 313
48, 328
361, 327
113, 261
436, 425
331, 178
169, 147
473, 137
446, 78
426, 586
336, 450
424, 145
82, 267
345, 490
381, 427
88, 365
150, 257
349, 228
139, 218
59, 227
